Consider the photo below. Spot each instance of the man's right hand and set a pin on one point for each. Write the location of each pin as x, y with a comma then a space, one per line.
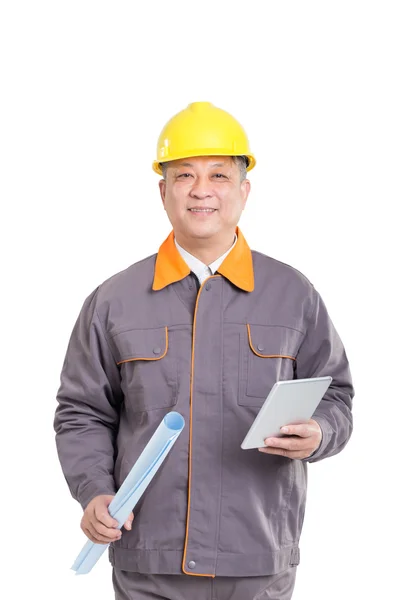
98, 525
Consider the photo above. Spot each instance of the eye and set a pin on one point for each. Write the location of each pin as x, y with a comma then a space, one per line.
219, 176
184, 175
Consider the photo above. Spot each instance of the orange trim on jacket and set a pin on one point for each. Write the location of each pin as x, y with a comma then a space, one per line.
190, 440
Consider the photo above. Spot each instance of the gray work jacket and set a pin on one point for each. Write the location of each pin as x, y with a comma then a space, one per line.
148, 341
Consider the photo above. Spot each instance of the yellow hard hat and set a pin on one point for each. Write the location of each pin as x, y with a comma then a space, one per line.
202, 129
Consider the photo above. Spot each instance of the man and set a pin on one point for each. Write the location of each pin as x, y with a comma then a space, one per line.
205, 327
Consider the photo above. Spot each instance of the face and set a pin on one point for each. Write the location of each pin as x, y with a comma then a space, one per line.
204, 182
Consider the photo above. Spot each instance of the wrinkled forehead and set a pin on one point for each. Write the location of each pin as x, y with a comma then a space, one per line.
209, 162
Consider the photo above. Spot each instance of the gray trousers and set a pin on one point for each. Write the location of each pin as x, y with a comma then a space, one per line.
135, 586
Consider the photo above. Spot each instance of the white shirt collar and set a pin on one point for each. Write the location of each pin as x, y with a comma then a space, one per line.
201, 270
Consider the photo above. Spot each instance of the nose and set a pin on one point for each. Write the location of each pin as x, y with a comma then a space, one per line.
201, 188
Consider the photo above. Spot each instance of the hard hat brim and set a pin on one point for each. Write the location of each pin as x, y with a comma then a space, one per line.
210, 152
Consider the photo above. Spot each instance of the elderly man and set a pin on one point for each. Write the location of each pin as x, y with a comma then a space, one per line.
206, 326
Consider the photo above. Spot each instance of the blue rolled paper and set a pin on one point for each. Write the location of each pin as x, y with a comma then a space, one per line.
134, 485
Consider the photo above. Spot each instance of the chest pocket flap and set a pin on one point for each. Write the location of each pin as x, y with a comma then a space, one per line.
141, 344
274, 341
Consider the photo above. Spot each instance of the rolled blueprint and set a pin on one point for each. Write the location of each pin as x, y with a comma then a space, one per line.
134, 485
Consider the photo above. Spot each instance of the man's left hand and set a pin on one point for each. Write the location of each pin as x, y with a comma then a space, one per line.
300, 441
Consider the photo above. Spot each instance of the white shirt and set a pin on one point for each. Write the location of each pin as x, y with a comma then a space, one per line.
201, 270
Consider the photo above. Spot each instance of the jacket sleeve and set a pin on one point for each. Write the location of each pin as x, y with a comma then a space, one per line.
87, 415
322, 353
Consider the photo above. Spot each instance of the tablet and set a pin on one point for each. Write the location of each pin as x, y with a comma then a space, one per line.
289, 402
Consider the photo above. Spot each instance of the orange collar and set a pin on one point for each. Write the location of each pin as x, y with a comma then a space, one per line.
237, 266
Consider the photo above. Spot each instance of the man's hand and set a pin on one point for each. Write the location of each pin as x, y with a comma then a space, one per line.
302, 440
97, 523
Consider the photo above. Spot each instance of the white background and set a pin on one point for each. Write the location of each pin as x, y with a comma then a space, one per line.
86, 89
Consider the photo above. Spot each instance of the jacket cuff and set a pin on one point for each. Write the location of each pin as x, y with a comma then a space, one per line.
93, 489
326, 436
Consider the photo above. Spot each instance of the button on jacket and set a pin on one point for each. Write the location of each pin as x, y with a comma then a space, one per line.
146, 342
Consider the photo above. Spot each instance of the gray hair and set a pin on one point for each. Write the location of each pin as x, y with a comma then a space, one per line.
240, 161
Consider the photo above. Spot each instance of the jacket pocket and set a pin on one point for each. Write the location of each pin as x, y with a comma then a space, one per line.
268, 355
149, 372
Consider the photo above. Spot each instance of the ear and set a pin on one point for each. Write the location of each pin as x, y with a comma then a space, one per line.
245, 187
162, 186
